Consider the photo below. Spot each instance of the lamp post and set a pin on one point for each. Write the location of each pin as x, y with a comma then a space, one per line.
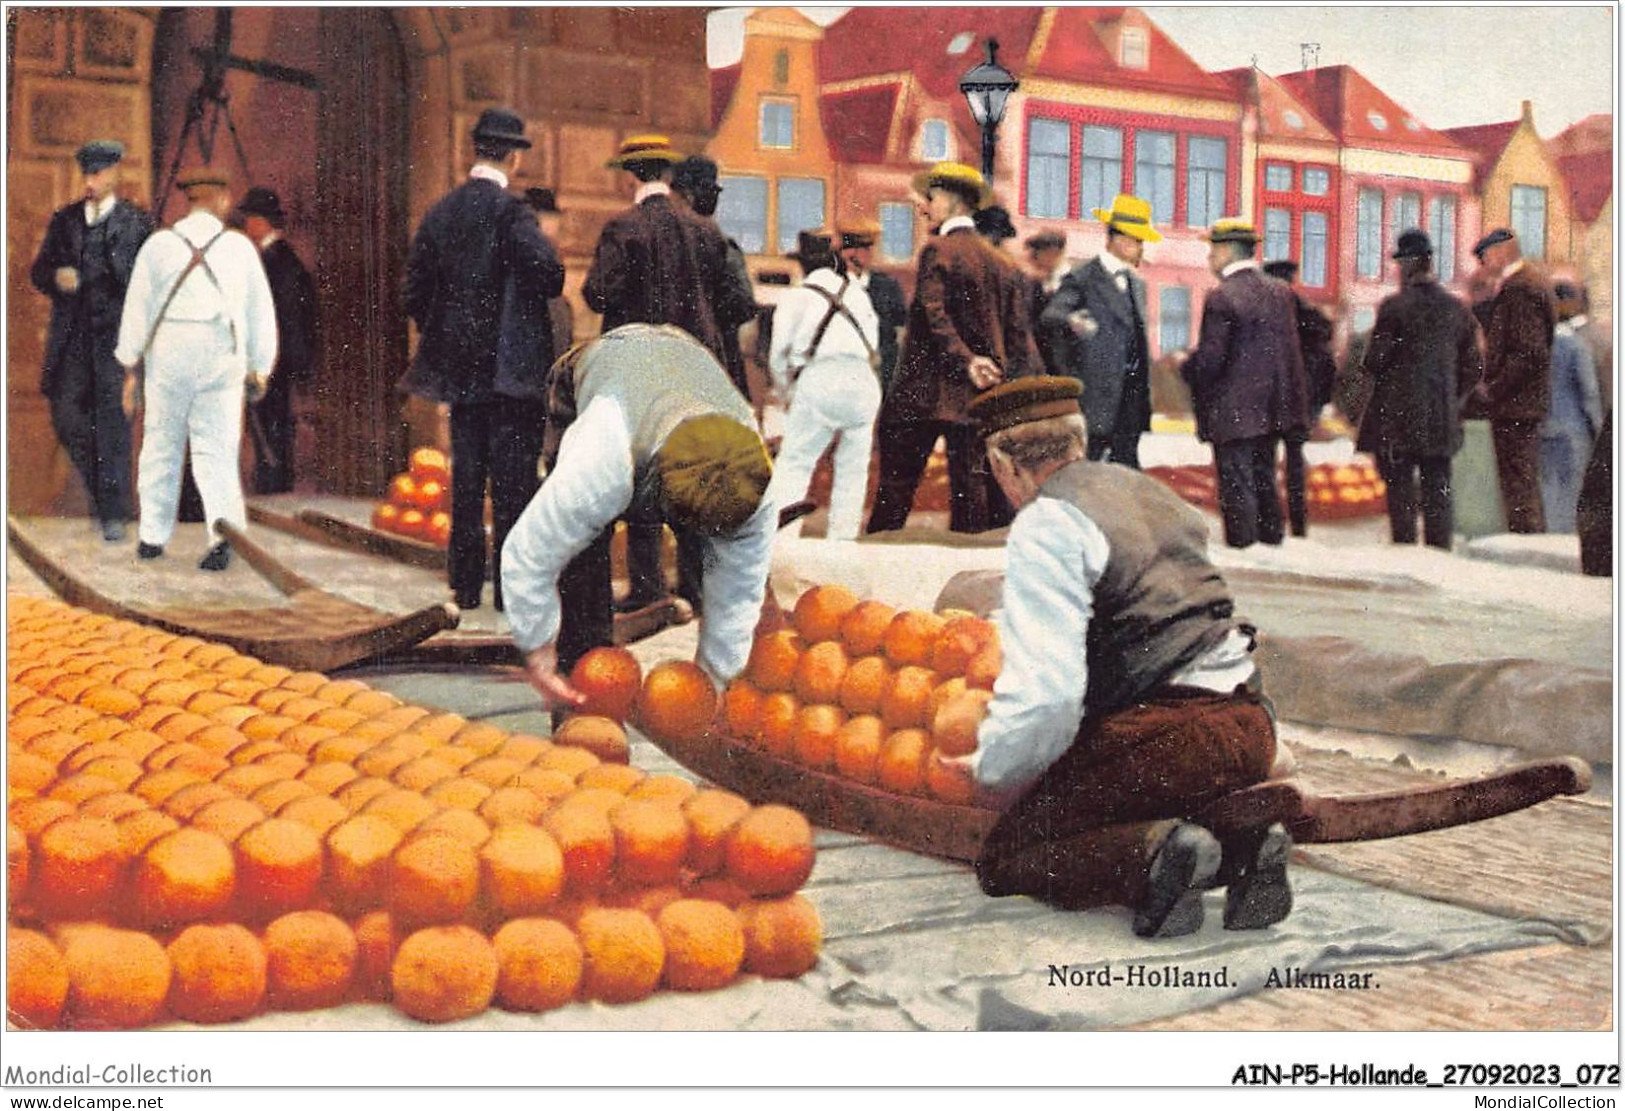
987, 87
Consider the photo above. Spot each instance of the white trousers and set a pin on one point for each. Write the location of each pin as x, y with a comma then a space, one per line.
833, 397
193, 394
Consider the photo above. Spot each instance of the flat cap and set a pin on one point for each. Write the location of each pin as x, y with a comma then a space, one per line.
1499, 235
201, 175
1023, 401
713, 473
859, 231
98, 154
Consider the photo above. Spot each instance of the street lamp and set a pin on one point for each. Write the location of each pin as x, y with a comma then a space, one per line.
986, 88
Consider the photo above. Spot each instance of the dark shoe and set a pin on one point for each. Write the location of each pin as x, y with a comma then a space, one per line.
144, 550
466, 602
112, 531
1183, 866
1254, 874
218, 557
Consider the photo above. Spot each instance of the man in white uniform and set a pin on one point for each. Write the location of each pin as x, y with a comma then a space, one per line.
199, 316
646, 411
823, 358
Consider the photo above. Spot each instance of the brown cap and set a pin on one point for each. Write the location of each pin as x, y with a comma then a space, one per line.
1025, 400
860, 232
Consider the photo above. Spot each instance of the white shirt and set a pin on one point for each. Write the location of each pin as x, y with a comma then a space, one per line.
242, 299
798, 316
1512, 268
270, 238
489, 173
97, 211
591, 485
954, 223
651, 189
1238, 266
1038, 699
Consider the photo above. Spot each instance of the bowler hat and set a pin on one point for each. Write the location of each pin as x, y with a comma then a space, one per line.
260, 201
993, 222
1232, 229
643, 148
858, 232
694, 173
1023, 401
98, 154
201, 175
501, 127
815, 244
1413, 243
1499, 235
541, 199
1131, 216
966, 180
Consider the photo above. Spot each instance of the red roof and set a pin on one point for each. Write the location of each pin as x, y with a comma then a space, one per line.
1080, 49
723, 82
1594, 133
1280, 114
1486, 141
858, 122
1360, 114
1591, 182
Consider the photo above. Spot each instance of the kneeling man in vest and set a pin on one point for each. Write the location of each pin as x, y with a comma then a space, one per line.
1126, 700
642, 412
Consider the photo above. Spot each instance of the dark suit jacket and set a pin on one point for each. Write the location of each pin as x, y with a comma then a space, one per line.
294, 294
1315, 343
892, 309
1116, 398
1246, 374
968, 301
1518, 343
98, 304
657, 264
478, 257
1423, 361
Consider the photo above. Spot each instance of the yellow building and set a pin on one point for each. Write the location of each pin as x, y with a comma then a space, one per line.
1520, 186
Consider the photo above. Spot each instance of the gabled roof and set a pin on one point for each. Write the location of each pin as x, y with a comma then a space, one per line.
723, 83
1590, 177
1362, 115
1080, 48
857, 122
1280, 114
1594, 133
1486, 141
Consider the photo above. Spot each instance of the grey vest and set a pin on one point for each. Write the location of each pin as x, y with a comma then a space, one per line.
1159, 604
660, 376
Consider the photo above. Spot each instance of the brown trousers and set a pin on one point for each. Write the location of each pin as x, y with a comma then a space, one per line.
1084, 834
1517, 466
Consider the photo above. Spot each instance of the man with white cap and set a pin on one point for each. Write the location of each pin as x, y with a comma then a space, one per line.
1095, 326
199, 317
84, 266
647, 413
1126, 701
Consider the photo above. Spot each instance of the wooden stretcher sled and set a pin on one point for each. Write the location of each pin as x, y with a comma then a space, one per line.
957, 832
336, 532
315, 631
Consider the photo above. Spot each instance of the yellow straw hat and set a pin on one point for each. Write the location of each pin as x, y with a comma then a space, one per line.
1232, 229
713, 473
955, 174
643, 148
1131, 216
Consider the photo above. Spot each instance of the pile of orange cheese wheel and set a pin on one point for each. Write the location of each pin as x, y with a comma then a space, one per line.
1345, 489
419, 501
880, 697
195, 835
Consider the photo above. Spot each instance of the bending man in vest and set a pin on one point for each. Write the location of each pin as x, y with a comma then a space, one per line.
1124, 702
200, 316
645, 411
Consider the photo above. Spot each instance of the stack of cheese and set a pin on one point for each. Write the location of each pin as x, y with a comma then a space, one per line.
419, 502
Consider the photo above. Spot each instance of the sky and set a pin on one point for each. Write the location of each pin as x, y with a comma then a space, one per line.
1450, 66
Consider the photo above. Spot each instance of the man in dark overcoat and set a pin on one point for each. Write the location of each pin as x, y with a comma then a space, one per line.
967, 330
1095, 328
478, 279
1319, 372
1424, 362
84, 267
694, 183
858, 238
1247, 383
1517, 388
294, 292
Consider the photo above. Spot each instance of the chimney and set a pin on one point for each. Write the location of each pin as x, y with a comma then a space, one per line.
1528, 112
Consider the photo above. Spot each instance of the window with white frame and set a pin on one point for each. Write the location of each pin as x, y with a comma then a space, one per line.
1100, 168
1049, 164
896, 231
934, 140
1317, 181
778, 130
1312, 262
1133, 48
1277, 234
742, 211
1278, 177
1442, 230
1173, 319
1154, 172
801, 208
1403, 214
1529, 219
1205, 164
1368, 234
